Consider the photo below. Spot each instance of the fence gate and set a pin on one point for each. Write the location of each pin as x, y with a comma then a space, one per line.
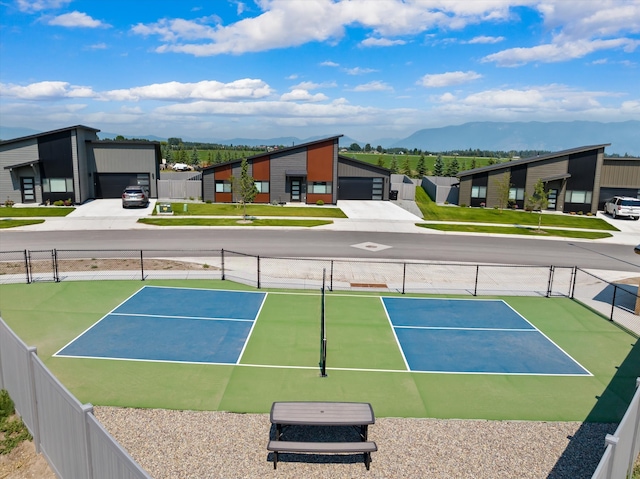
41, 266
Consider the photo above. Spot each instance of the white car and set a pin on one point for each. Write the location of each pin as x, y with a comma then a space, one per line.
181, 167
623, 206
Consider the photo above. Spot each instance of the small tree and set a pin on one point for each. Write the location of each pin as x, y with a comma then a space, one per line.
438, 166
244, 187
503, 187
452, 168
394, 164
539, 200
195, 158
421, 168
381, 161
406, 167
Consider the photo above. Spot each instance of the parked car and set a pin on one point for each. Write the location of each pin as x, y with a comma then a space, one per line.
135, 196
637, 249
181, 167
623, 206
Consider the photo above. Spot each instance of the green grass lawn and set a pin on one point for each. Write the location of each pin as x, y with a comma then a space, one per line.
280, 361
42, 211
11, 223
517, 230
433, 212
228, 209
232, 222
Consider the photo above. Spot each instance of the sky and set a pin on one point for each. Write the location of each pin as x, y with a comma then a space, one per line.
367, 69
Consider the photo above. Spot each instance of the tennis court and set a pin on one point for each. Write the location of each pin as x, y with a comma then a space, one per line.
219, 345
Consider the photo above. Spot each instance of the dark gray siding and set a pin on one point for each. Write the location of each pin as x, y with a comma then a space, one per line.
279, 165
15, 154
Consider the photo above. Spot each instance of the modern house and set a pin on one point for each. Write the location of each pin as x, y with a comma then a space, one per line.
72, 163
577, 180
306, 173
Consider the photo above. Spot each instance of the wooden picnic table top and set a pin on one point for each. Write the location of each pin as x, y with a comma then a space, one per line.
311, 413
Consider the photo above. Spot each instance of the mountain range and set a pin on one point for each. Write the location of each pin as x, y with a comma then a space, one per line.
494, 136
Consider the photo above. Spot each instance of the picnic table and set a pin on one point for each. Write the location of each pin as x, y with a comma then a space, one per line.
308, 413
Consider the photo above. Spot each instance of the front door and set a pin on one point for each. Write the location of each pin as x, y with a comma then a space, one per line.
27, 186
296, 190
552, 199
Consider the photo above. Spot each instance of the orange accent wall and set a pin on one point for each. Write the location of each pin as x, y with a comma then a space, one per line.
223, 173
320, 162
260, 168
313, 197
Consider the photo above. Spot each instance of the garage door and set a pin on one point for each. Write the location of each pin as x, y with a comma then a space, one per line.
352, 188
111, 185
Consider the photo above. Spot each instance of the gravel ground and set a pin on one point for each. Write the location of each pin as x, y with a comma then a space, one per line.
205, 444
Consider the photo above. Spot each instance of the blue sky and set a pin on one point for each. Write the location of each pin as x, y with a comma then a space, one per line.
368, 69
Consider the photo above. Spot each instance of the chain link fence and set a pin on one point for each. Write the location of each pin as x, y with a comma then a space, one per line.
617, 301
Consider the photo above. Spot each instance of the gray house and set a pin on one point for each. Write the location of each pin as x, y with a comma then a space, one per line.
72, 163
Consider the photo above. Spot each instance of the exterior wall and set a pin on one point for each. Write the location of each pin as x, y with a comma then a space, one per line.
260, 172
348, 169
320, 167
114, 157
464, 195
295, 160
15, 154
222, 173
83, 176
493, 187
620, 173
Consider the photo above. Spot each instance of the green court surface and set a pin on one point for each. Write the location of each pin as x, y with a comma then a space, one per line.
364, 363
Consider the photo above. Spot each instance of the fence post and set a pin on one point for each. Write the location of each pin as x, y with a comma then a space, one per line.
613, 301
86, 410
33, 397
572, 285
54, 256
611, 440
331, 277
634, 441
258, 265
550, 282
404, 275
475, 289
26, 266
141, 265
222, 262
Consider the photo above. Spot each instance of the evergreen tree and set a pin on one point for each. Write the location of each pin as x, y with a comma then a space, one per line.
218, 157
406, 167
394, 164
452, 167
438, 166
381, 161
195, 158
421, 167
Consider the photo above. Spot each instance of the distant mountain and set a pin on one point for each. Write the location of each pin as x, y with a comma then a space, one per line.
552, 136
11, 132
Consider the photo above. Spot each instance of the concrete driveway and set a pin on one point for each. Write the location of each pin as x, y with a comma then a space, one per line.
109, 208
375, 210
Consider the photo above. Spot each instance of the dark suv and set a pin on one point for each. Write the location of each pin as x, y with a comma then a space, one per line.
135, 196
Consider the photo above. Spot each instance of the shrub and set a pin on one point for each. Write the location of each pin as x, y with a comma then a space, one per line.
58, 203
319, 202
463, 205
9, 203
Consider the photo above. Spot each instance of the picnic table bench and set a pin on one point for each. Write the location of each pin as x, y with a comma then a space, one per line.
358, 415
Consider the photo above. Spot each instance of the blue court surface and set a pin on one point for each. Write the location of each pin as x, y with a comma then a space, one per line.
173, 324
473, 336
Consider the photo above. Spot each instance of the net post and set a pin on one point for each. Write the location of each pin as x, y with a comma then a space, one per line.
323, 333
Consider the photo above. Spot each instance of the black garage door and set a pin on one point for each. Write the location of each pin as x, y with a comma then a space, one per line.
111, 185
355, 188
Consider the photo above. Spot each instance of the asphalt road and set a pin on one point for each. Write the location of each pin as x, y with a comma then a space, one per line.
339, 244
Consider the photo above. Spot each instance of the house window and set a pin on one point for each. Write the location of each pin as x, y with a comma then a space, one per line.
321, 187
376, 190
57, 185
478, 192
262, 186
577, 196
223, 186
516, 194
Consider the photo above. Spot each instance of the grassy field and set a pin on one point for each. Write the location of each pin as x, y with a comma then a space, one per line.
280, 361
385, 160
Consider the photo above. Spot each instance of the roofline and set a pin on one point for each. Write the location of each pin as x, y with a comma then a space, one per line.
123, 142
382, 168
272, 152
36, 135
531, 159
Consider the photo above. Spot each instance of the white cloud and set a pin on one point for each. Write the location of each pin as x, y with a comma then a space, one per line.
31, 6
299, 94
486, 39
76, 19
329, 64
308, 85
373, 86
46, 90
359, 71
552, 53
446, 79
381, 42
